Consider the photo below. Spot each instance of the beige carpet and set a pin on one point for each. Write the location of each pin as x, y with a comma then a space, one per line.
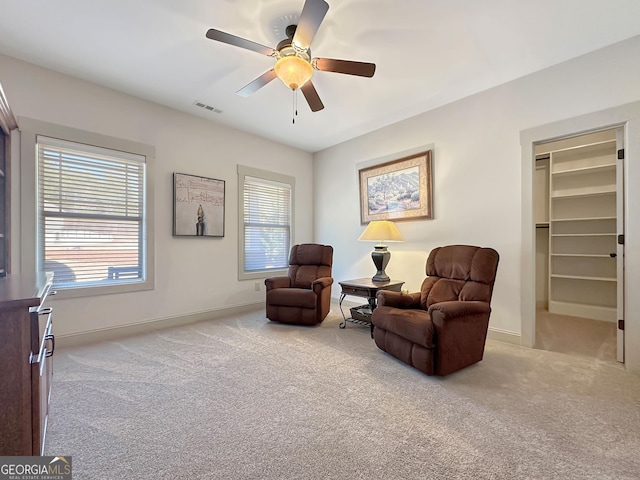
576, 335
243, 398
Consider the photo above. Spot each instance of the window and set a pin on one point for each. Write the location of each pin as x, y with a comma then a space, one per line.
90, 214
266, 222
86, 209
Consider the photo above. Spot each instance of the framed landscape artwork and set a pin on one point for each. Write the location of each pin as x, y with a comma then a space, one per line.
397, 190
198, 206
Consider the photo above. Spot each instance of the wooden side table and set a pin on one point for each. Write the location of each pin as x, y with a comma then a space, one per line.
365, 288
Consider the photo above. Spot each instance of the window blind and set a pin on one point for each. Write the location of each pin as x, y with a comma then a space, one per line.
267, 224
90, 214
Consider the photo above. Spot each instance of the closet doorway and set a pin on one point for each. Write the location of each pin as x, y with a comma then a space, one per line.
579, 218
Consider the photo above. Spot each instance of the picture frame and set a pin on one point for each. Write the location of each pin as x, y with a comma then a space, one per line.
397, 190
198, 206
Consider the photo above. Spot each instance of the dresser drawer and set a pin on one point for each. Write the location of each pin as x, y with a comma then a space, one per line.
26, 346
359, 291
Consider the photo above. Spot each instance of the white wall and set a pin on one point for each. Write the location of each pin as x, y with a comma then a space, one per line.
193, 275
478, 190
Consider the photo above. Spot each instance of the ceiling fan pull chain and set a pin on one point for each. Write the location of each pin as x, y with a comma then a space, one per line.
295, 106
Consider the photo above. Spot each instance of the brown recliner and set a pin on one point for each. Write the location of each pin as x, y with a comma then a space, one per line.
443, 327
304, 296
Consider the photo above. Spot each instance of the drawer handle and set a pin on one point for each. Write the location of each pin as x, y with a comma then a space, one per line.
43, 353
51, 338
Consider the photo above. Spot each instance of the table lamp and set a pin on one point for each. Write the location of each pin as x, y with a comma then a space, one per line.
381, 231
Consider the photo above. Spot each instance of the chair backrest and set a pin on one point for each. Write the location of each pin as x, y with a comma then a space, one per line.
308, 262
459, 272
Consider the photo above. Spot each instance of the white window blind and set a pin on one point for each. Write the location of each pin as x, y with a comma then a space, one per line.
267, 224
90, 214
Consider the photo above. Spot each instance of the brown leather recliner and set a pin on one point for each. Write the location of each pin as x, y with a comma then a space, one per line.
443, 327
304, 296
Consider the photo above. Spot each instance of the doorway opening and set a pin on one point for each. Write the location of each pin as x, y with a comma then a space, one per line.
579, 247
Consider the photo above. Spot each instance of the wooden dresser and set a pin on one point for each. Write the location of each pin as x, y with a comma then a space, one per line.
26, 345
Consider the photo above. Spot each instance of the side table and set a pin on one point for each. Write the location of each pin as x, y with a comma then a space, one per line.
365, 288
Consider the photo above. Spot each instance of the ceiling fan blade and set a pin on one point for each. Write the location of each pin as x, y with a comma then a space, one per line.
239, 42
257, 84
312, 97
311, 17
360, 69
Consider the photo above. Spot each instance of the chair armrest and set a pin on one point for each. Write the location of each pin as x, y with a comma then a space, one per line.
445, 311
461, 331
398, 299
320, 284
277, 282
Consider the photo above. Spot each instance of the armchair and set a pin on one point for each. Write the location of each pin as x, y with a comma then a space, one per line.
443, 327
304, 296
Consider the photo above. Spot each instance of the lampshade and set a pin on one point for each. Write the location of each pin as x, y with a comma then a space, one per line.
381, 231
293, 71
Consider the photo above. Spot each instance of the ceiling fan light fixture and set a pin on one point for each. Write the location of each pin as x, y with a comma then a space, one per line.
293, 70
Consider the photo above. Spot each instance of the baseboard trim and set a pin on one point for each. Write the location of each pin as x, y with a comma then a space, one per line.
112, 333
504, 336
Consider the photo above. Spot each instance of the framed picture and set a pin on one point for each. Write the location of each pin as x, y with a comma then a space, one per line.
397, 190
198, 206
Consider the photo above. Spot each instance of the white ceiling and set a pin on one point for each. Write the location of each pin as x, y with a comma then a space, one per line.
428, 53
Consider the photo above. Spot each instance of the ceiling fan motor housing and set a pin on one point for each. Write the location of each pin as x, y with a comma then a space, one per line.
290, 31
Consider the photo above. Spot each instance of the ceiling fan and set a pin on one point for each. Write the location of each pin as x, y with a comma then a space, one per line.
294, 64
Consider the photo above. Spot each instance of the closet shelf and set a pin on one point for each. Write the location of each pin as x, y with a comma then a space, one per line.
601, 312
583, 255
612, 234
585, 148
582, 277
580, 219
611, 191
582, 170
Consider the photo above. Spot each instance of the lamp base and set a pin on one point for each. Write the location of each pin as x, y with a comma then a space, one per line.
380, 278
380, 257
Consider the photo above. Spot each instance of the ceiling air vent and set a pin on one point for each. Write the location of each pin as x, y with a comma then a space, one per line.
207, 107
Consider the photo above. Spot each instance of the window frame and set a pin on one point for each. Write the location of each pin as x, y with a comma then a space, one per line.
30, 129
244, 171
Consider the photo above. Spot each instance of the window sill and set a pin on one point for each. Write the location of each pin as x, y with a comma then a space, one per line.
262, 274
92, 291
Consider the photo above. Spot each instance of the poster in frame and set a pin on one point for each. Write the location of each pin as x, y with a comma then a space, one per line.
198, 206
397, 190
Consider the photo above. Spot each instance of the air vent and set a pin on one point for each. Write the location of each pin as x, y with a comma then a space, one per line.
207, 107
